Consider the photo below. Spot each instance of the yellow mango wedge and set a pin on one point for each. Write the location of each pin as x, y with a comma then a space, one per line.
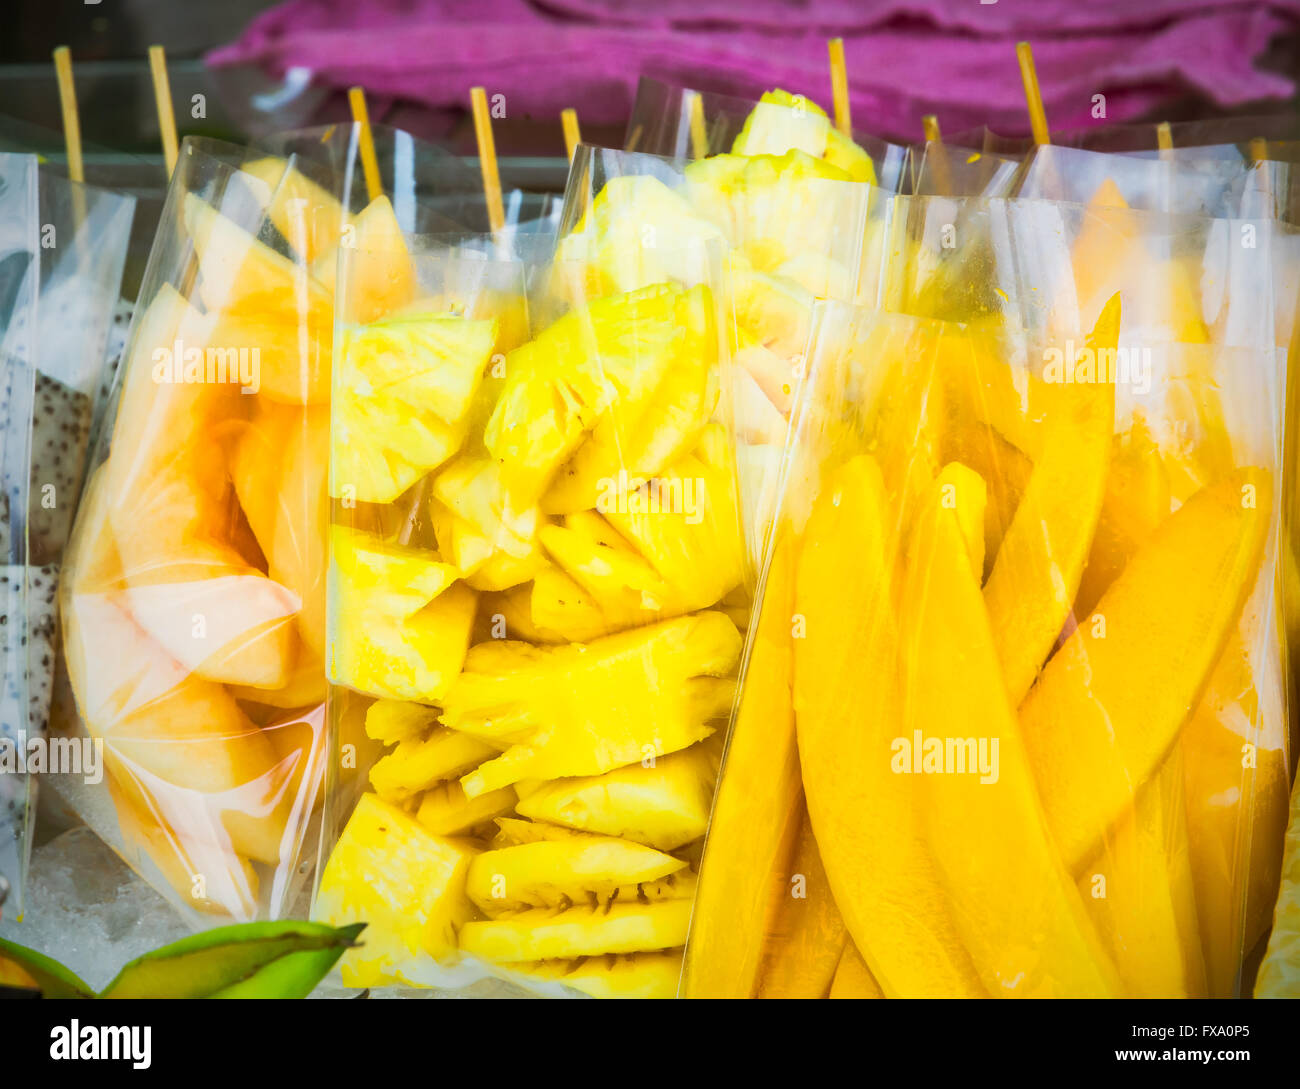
806, 941
1112, 700
1031, 588
756, 809
846, 715
1013, 901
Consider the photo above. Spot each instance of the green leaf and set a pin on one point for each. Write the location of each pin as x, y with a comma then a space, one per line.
250, 960
53, 979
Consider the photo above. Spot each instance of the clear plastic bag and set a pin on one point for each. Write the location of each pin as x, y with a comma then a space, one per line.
538, 619
961, 818
60, 285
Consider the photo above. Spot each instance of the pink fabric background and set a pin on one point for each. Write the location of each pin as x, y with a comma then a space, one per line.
905, 57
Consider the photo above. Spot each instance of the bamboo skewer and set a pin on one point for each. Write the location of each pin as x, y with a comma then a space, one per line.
572, 134
840, 86
369, 160
699, 133
938, 154
1033, 96
71, 122
930, 126
1164, 137
162, 94
487, 158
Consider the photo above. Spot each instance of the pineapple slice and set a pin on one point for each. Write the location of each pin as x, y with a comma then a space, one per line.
584, 709
653, 422
555, 871
399, 621
446, 811
559, 385
404, 388
476, 524
640, 975
392, 721
664, 806
419, 763
689, 528
544, 934
406, 884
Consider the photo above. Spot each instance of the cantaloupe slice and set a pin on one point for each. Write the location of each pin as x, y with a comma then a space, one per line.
381, 274
309, 217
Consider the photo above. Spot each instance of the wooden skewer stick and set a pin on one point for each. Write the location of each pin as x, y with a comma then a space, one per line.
1258, 149
937, 155
1033, 96
1164, 136
930, 126
71, 122
572, 134
840, 86
487, 158
162, 95
369, 160
699, 133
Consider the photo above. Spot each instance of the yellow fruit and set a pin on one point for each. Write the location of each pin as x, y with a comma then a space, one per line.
847, 710
584, 709
545, 934
406, 884
381, 275
402, 391
399, 620
553, 872
853, 979
1037, 570
782, 121
756, 811
639, 975
1110, 703
1016, 907
1279, 974
392, 721
446, 811
419, 763
308, 215
664, 806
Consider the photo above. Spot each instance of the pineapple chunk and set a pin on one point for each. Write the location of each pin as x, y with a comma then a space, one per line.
446, 811
664, 806
584, 709
655, 419
640, 975
393, 721
553, 872
417, 764
544, 934
407, 885
692, 535
560, 384
399, 622
402, 392
478, 522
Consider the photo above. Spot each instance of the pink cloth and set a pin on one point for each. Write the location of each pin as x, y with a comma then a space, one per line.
906, 58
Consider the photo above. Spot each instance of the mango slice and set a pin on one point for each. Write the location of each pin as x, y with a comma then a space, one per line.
1032, 586
807, 937
544, 934
1110, 703
846, 714
853, 979
1016, 907
756, 810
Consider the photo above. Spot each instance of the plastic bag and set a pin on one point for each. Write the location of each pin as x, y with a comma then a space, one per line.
66, 246
978, 822
534, 616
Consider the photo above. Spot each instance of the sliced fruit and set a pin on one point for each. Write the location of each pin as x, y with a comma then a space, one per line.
1279, 974
1037, 570
847, 707
1096, 725
381, 275
405, 883
853, 979
419, 763
555, 872
402, 392
446, 811
664, 806
544, 934
639, 975
584, 709
391, 721
756, 811
308, 216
